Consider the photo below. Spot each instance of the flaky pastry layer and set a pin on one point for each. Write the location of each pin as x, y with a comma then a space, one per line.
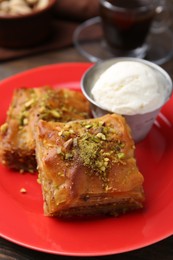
88, 167
29, 105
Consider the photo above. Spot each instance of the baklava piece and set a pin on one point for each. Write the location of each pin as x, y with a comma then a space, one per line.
17, 148
88, 167
28, 106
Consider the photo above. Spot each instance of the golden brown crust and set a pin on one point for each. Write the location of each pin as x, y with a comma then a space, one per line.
17, 149
88, 167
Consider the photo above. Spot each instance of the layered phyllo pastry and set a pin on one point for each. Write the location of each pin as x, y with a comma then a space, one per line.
28, 106
88, 167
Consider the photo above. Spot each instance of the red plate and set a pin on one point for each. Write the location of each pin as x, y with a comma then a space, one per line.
21, 215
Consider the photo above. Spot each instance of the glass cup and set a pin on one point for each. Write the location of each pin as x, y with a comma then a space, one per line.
126, 25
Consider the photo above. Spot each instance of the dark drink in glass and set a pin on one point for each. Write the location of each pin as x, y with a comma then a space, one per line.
126, 23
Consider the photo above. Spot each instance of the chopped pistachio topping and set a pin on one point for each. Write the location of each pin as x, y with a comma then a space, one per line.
61, 174
95, 145
59, 150
55, 113
23, 120
101, 136
48, 113
88, 126
23, 190
29, 103
65, 134
89, 150
121, 155
68, 156
23, 116
4, 128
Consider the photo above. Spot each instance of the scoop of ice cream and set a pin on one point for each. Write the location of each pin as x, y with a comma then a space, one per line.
129, 87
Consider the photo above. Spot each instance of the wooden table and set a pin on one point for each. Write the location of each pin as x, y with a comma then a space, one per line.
10, 251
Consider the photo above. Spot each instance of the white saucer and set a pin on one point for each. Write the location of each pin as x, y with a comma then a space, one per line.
89, 41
